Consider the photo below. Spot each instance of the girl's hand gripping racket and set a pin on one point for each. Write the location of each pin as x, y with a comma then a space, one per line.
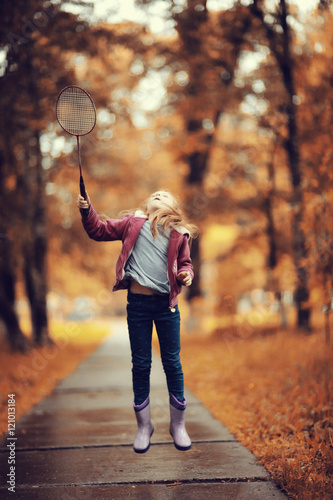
76, 114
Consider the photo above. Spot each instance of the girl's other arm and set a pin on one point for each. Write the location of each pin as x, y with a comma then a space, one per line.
185, 268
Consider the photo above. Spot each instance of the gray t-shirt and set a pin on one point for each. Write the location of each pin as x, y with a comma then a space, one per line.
148, 262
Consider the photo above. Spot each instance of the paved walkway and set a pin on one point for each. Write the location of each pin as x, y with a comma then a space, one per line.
77, 443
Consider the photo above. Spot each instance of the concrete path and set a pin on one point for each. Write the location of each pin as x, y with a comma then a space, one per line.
77, 443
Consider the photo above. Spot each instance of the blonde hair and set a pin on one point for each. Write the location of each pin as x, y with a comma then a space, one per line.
170, 217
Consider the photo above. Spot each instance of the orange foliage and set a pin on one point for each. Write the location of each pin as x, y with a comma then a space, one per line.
32, 376
30, 392
275, 394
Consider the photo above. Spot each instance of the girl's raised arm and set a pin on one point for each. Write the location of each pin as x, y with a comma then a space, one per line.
109, 230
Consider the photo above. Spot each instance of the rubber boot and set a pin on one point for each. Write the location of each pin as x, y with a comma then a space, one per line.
145, 429
181, 439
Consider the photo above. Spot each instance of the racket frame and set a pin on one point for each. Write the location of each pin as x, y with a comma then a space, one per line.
82, 185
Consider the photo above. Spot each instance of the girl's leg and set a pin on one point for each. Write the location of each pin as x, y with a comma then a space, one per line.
140, 326
168, 332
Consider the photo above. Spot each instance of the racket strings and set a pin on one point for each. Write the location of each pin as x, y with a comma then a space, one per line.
76, 111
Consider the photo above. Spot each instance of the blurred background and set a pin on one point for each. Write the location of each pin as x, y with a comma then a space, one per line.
228, 104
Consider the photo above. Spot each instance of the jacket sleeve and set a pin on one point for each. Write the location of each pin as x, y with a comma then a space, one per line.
184, 259
109, 230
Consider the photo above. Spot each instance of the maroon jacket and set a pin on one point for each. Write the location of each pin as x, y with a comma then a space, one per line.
127, 230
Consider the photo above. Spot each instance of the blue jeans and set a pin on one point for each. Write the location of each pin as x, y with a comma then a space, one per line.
142, 312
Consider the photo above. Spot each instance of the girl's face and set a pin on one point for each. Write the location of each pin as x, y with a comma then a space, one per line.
159, 200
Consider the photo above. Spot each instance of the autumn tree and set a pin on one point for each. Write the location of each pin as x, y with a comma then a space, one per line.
315, 90
202, 59
42, 44
27, 90
34, 38
281, 46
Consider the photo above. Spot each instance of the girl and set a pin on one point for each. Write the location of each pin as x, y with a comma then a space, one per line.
153, 264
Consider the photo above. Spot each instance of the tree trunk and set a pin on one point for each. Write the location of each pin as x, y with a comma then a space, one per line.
292, 147
15, 336
35, 249
282, 49
272, 258
273, 282
327, 325
36, 293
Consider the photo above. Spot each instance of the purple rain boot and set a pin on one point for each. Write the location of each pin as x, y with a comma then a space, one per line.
145, 428
181, 439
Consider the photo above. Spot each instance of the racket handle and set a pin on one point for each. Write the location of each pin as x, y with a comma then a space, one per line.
82, 188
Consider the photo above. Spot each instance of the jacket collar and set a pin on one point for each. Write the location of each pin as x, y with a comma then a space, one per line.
142, 215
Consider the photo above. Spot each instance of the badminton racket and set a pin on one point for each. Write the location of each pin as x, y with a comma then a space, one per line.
76, 114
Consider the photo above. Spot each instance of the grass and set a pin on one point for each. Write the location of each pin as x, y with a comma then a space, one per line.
274, 393
33, 376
